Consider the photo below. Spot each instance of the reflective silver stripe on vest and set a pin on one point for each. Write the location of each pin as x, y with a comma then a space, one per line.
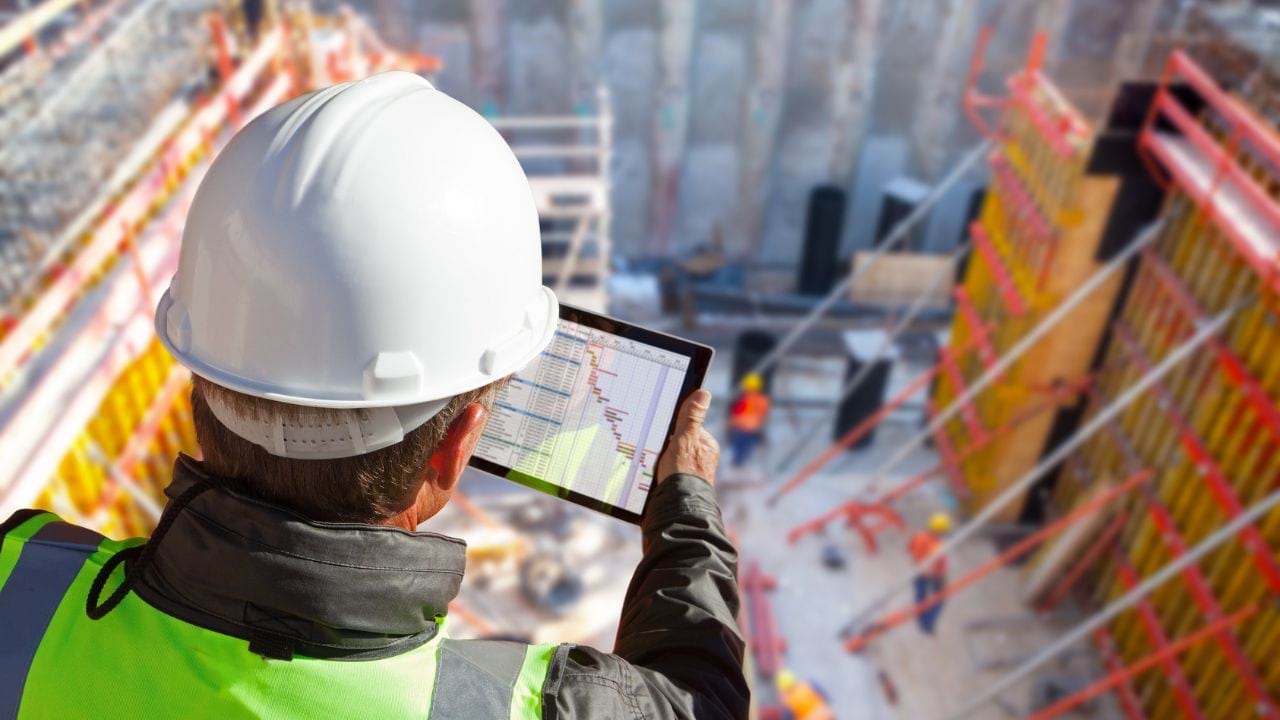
49, 562
475, 678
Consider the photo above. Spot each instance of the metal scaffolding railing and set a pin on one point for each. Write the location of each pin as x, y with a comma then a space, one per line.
568, 159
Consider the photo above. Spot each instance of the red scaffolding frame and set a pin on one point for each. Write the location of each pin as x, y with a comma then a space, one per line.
1207, 170
1000, 273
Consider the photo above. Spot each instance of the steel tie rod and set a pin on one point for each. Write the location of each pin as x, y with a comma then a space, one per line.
868, 364
1022, 346
1121, 604
896, 236
1207, 330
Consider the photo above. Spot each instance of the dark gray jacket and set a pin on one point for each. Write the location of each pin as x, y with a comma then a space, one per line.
243, 567
679, 651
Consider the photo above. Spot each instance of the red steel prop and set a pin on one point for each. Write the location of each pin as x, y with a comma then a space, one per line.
1095, 504
1056, 396
1146, 663
767, 643
920, 382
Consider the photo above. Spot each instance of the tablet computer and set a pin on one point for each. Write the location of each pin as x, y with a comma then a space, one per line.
587, 419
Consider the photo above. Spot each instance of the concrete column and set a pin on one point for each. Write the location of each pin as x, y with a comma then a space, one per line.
489, 57
939, 109
854, 85
540, 43
1131, 56
763, 110
670, 123
806, 131
586, 32
1053, 18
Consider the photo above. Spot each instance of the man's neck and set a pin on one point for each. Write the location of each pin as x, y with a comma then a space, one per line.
406, 520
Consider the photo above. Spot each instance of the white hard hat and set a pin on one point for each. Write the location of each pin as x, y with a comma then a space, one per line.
369, 245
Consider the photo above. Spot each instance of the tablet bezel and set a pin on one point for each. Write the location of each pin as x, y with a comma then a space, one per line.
699, 362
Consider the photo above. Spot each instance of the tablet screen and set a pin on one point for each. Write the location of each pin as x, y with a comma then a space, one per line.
588, 417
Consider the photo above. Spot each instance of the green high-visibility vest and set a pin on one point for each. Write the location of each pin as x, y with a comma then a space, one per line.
138, 662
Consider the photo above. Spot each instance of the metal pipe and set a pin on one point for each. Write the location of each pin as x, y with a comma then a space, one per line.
1126, 601
781, 308
1018, 550
896, 236
571, 255
1026, 343
1124, 674
904, 322
1015, 490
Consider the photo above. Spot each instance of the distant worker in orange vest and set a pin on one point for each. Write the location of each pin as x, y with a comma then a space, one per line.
932, 579
802, 700
746, 418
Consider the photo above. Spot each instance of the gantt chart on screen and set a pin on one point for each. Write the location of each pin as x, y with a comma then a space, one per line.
589, 415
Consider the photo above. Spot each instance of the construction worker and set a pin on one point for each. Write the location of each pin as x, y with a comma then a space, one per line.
802, 700
360, 269
930, 581
747, 417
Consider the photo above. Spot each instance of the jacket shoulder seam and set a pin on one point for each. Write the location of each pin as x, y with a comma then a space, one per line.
612, 684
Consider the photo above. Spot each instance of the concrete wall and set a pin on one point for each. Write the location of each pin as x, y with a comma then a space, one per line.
727, 111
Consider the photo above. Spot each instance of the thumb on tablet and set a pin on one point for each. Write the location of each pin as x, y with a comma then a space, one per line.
693, 411
692, 450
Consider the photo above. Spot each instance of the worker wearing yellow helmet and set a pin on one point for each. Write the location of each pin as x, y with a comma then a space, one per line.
930, 580
940, 523
802, 700
361, 270
747, 417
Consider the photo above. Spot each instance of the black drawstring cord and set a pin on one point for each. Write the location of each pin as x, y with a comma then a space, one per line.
144, 554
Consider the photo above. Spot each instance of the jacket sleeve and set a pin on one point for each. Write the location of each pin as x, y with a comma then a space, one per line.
679, 651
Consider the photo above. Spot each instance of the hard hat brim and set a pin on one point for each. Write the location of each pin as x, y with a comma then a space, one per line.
508, 362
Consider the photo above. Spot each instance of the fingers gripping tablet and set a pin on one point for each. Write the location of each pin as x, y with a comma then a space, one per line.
587, 420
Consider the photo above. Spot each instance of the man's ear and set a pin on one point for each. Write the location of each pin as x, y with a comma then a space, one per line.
451, 455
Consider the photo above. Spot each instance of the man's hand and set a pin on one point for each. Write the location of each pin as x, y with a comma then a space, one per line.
692, 449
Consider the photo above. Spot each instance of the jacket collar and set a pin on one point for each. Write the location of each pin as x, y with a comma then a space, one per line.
244, 567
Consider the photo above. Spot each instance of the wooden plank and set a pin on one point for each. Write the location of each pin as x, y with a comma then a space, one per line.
900, 278
1064, 354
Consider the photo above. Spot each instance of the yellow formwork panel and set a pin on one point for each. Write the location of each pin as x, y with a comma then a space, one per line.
1236, 436
145, 414
1035, 245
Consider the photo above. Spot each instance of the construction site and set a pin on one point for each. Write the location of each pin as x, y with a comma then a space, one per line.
1007, 274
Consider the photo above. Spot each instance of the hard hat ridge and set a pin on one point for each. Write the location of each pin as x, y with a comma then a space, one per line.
319, 147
